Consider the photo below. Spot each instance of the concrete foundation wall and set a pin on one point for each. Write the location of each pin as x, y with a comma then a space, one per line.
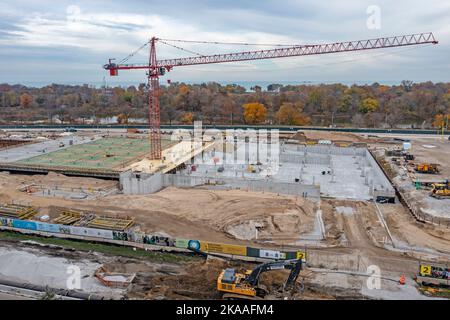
305, 159
381, 184
140, 183
132, 183
327, 149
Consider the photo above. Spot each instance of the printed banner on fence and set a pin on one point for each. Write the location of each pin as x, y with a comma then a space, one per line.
119, 235
6, 222
47, 227
159, 241
182, 243
223, 248
24, 224
272, 254
91, 232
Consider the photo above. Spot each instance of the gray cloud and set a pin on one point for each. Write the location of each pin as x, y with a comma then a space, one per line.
39, 41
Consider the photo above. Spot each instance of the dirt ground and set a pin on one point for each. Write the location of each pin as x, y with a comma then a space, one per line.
333, 136
217, 215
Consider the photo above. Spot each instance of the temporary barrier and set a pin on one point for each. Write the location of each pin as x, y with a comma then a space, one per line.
139, 237
223, 248
252, 252
6, 222
119, 235
24, 224
158, 240
91, 232
182, 243
194, 244
48, 227
272, 254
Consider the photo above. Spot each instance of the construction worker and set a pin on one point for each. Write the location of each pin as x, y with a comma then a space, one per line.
402, 280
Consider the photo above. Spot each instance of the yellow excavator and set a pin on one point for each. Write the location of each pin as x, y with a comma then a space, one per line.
246, 285
441, 190
427, 168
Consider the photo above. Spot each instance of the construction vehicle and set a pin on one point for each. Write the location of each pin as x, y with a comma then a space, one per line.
246, 285
441, 190
436, 275
427, 168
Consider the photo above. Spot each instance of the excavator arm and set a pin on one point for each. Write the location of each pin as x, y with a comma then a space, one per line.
294, 265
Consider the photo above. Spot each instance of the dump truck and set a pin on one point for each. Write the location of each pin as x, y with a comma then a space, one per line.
427, 168
441, 190
245, 286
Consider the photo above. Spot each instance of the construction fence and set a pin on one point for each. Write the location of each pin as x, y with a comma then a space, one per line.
142, 238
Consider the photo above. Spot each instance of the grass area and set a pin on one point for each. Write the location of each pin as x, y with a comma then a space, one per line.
109, 249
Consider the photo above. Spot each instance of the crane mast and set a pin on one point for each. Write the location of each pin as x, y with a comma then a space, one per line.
153, 101
156, 68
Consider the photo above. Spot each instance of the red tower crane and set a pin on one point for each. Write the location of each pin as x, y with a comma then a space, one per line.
156, 68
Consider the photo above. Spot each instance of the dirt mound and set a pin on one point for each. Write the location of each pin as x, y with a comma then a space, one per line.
199, 282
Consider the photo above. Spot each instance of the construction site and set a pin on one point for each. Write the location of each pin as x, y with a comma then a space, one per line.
338, 201
224, 214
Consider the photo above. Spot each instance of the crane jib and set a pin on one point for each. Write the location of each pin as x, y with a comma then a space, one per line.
358, 45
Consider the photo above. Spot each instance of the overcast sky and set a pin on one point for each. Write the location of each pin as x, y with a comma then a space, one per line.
49, 41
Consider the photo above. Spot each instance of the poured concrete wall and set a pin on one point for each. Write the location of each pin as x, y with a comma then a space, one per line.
380, 183
140, 183
326, 149
308, 158
296, 189
132, 183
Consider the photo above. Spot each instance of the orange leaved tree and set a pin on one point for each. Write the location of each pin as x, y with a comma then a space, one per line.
289, 114
254, 112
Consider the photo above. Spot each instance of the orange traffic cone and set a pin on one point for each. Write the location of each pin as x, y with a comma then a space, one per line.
402, 280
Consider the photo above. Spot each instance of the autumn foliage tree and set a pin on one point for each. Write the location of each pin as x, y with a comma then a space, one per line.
187, 118
122, 119
290, 114
254, 112
440, 120
25, 100
369, 105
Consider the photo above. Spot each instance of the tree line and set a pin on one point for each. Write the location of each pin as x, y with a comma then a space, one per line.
419, 105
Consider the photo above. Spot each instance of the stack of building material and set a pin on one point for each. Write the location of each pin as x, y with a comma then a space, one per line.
109, 223
68, 217
17, 211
